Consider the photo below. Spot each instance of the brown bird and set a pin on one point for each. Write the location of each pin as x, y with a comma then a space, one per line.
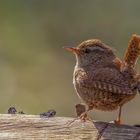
101, 79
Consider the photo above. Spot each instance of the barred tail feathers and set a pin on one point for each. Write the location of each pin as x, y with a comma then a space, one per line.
133, 51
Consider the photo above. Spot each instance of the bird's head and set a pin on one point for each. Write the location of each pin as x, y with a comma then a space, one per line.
92, 52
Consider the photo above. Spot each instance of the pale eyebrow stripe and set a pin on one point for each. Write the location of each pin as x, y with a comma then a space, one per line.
96, 48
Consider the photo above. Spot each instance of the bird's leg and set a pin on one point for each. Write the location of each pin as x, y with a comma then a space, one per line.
80, 109
118, 120
83, 116
81, 113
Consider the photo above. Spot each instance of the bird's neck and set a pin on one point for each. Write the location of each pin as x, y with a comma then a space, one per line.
94, 66
86, 67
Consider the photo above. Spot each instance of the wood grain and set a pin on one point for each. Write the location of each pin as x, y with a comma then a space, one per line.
32, 127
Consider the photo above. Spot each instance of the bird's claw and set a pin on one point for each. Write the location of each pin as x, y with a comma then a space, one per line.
117, 121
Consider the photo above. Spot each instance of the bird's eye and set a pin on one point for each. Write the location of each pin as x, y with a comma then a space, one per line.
87, 50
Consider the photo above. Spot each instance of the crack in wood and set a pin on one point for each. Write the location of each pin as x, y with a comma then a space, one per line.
137, 136
100, 133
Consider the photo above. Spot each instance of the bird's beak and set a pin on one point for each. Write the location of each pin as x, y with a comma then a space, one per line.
72, 49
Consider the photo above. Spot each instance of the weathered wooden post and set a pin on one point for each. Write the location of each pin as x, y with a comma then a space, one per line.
30, 127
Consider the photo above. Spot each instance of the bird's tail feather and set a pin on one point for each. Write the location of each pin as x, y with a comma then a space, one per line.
132, 52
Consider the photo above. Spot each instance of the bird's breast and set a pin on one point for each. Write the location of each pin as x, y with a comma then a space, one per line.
103, 92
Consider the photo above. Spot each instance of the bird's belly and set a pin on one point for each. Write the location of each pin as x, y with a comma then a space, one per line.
103, 100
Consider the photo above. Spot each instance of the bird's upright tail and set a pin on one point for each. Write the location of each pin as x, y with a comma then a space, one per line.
128, 67
132, 51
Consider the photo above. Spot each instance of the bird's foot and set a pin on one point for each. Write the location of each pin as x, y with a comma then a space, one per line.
81, 114
83, 118
117, 121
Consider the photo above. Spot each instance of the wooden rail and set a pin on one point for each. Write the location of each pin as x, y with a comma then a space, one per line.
32, 127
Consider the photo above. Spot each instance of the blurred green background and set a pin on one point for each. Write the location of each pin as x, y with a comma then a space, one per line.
36, 73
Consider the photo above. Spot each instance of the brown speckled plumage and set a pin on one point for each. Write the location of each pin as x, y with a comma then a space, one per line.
104, 89
102, 80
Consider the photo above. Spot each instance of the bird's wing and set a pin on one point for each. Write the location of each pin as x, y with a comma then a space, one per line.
106, 79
